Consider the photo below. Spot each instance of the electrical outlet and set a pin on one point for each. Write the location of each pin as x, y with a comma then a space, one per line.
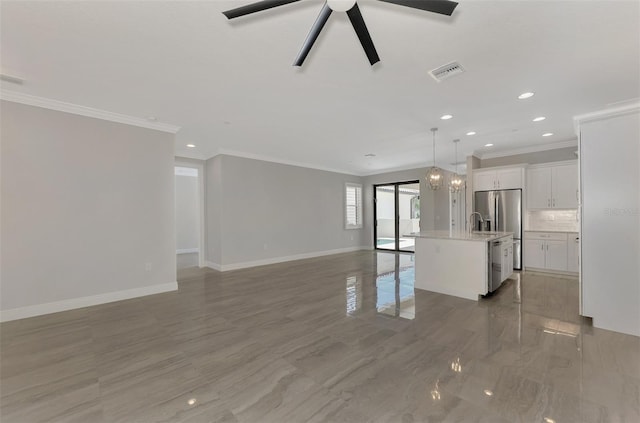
148, 267
265, 246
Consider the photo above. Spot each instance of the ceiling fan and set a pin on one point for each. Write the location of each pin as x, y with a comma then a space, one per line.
443, 7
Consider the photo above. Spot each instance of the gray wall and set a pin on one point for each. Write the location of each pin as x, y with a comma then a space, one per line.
472, 163
270, 211
213, 210
434, 205
547, 156
186, 206
87, 207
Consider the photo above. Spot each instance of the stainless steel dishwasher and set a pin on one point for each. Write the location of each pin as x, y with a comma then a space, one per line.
501, 255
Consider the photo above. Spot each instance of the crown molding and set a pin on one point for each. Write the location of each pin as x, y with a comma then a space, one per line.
530, 149
415, 166
76, 109
263, 158
605, 114
270, 159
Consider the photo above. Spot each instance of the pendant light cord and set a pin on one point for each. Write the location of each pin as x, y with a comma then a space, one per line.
455, 143
433, 130
434, 148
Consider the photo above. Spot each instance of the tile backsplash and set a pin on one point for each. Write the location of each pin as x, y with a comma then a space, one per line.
552, 220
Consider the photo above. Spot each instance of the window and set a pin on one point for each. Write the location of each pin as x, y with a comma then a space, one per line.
353, 206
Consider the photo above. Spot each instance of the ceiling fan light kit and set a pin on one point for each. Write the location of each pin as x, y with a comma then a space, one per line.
443, 7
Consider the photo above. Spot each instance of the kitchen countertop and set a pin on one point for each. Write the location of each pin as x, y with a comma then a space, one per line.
554, 231
461, 236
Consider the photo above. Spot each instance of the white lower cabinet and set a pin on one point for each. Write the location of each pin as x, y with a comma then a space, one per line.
573, 253
534, 254
556, 255
555, 251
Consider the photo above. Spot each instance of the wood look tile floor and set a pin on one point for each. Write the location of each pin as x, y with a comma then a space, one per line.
342, 338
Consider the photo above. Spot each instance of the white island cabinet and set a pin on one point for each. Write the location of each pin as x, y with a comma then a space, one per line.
462, 264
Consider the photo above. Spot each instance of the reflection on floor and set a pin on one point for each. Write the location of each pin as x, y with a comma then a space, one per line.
342, 338
406, 244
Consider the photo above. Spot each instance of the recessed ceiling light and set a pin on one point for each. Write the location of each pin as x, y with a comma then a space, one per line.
191, 145
539, 119
488, 145
471, 133
488, 392
370, 155
548, 134
446, 117
340, 5
525, 95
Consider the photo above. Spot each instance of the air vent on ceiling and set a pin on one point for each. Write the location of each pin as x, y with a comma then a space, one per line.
446, 71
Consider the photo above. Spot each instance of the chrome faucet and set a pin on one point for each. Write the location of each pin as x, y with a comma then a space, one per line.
471, 222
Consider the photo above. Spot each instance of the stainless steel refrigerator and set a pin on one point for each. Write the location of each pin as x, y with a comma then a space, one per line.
501, 211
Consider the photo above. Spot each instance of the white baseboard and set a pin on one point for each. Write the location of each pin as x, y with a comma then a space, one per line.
212, 265
549, 272
188, 251
57, 306
264, 262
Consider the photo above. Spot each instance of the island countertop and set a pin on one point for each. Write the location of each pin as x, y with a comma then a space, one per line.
460, 235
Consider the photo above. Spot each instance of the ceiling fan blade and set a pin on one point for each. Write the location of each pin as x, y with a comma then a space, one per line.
313, 35
443, 7
256, 7
361, 30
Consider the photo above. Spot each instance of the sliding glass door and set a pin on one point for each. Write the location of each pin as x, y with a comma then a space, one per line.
396, 214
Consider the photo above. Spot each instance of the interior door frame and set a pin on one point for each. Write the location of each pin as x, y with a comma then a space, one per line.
396, 200
201, 212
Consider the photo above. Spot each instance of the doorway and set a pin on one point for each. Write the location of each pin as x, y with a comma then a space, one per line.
189, 215
396, 214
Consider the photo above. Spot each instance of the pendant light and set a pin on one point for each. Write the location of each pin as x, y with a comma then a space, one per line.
456, 183
434, 174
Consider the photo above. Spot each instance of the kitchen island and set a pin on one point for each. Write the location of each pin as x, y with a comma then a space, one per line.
462, 264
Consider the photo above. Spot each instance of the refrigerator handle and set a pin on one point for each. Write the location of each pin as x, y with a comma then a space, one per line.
496, 207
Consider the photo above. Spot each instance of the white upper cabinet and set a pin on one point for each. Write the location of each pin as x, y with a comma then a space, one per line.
565, 186
553, 187
509, 178
484, 181
503, 178
539, 188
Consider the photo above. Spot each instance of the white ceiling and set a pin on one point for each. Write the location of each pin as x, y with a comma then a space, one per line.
230, 85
